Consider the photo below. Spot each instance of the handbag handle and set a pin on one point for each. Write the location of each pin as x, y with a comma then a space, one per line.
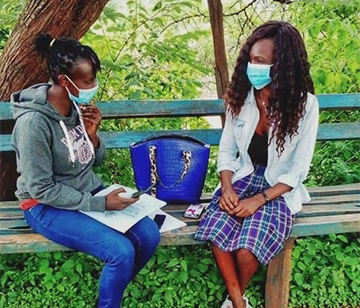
171, 136
154, 176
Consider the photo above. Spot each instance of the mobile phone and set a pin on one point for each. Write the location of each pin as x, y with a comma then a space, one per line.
159, 219
194, 210
138, 193
141, 192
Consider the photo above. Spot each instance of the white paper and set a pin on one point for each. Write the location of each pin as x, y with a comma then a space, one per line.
125, 219
170, 222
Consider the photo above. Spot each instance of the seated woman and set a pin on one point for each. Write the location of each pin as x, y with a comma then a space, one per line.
56, 144
264, 156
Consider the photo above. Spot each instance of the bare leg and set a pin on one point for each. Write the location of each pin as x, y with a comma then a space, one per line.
226, 263
247, 264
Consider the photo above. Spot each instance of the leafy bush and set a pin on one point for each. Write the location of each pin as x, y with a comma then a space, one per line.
331, 35
59, 279
326, 273
9, 14
336, 162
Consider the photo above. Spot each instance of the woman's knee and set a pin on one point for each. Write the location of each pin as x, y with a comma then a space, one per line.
119, 251
245, 256
145, 234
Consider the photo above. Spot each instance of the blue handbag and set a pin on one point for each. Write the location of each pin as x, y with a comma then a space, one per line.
174, 165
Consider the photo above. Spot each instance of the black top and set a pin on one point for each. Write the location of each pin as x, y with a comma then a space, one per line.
258, 149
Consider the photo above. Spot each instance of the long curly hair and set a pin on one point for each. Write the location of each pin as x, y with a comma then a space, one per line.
290, 75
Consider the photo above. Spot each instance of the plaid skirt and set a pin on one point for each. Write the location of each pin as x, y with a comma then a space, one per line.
263, 233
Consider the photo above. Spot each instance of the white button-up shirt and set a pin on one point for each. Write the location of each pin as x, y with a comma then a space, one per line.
291, 168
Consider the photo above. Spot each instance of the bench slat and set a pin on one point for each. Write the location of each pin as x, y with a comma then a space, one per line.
316, 191
10, 214
8, 208
15, 212
329, 210
334, 131
118, 140
174, 108
326, 225
338, 131
13, 207
199, 107
308, 226
178, 210
16, 223
324, 200
125, 139
16, 243
334, 190
339, 101
20, 243
147, 109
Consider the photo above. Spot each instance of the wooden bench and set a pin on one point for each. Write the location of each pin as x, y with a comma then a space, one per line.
333, 209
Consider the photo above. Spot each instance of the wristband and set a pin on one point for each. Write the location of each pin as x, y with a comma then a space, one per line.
266, 197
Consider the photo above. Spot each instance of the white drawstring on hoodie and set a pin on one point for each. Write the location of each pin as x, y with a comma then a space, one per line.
68, 139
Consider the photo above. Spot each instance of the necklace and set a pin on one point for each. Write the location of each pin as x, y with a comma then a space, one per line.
262, 101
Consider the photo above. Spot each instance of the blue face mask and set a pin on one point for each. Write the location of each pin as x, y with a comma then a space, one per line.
259, 75
85, 95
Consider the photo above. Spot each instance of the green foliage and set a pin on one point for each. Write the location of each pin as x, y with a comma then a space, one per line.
59, 279
326, 272
177, 277
9, 14
183, 277
138, 61
212, 178
336, 162
331, 31
4, 34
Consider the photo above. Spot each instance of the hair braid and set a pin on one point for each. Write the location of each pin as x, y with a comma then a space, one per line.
63, 53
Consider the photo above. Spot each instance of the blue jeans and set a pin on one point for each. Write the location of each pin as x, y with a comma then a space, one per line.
123, 254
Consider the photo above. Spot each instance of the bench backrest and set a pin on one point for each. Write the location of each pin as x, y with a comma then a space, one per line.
196, 108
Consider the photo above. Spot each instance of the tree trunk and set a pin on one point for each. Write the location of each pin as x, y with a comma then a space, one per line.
217, 27
21, 66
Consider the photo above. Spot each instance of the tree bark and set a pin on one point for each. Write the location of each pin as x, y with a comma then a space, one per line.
21, 66
217, 27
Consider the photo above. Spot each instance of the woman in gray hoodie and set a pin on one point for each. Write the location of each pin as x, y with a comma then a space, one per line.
56, 143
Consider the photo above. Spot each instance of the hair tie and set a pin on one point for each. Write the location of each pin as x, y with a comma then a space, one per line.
52, 42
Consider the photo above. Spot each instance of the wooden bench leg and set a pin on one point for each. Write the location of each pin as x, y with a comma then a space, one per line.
278, 278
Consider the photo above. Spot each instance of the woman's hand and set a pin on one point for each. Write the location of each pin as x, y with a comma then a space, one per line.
228, 200
247, 207
114, 202
92, 118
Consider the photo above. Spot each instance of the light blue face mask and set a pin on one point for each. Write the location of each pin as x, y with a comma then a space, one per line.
85, 95
259, 74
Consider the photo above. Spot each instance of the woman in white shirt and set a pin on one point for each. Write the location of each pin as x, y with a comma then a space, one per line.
264, 156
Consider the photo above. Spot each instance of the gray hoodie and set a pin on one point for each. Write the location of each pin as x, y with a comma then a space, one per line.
54, 154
